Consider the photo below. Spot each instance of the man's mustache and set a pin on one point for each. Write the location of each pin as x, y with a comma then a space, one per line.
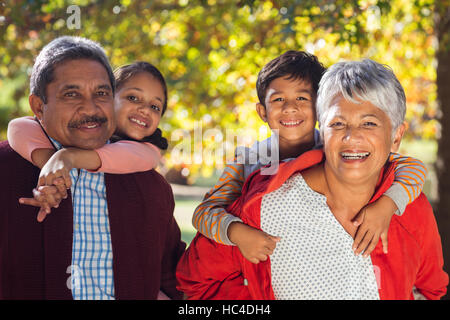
89, 119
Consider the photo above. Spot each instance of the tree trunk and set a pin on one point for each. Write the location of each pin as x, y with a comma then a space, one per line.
442, 28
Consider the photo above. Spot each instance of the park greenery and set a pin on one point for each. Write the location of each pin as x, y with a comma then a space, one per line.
211, 51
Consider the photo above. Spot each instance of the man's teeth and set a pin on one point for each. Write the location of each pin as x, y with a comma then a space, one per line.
139, 122
355, 155
92, 126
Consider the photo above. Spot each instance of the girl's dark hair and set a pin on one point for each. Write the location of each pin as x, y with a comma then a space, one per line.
156, 138
293, 64
123, 74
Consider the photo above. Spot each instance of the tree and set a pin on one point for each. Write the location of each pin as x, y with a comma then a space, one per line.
442, 10
212, 50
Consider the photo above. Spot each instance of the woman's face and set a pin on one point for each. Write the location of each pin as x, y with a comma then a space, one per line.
358, 140
138, 105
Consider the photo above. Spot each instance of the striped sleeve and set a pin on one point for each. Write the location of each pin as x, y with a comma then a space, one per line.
210, 217
410, 175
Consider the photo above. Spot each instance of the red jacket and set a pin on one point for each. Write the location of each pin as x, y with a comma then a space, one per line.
209, 270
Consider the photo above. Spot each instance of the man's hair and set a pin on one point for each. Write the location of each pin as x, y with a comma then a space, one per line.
124, 73
364, 80
62, 49
292, 64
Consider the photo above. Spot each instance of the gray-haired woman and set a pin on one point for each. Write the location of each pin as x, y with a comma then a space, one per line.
361, 108
313, 199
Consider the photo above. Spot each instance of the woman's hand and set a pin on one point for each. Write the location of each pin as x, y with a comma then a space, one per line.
373, 223
255, 245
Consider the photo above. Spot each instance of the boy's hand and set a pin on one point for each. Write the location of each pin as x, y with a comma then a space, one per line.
373, 223
45, 197
255, 245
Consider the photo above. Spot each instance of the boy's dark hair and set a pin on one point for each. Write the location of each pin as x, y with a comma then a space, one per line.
293, 64
62, 49
124, 73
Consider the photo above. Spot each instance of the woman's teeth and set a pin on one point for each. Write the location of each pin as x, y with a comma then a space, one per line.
354, 155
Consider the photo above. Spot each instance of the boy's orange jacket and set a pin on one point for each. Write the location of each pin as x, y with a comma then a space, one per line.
209, 270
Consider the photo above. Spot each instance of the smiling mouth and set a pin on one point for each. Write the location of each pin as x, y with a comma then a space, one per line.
354, 155
139, 122
88, 123
91, 125
291, 123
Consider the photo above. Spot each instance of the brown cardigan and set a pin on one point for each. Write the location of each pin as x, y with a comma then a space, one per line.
34, 257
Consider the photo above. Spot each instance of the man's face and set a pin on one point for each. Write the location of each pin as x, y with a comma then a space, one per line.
80, 105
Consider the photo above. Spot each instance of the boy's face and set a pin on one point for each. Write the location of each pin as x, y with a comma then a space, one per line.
290, 108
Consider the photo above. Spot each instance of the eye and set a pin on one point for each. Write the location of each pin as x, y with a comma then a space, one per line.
278, 99
336, 125
155, 107
302, 99
370, 124
132, 98
71, 94
102, 93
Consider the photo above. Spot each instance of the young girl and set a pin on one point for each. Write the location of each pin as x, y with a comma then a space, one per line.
140, 101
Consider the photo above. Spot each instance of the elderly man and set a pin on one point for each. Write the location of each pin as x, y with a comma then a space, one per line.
115, 236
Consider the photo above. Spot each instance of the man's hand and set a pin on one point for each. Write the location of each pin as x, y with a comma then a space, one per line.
255, 245
373, 223
54, 180
45, 197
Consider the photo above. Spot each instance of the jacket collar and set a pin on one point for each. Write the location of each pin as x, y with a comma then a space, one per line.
303, 162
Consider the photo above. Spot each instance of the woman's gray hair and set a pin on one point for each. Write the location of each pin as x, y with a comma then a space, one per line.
62, 49
365, 80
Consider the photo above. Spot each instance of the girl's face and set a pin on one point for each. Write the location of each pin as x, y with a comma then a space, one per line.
138, 105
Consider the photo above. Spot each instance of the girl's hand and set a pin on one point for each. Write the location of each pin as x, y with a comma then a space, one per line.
255, 245
58, 166
373, 223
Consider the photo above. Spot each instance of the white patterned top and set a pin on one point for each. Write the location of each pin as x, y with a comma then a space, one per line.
314, 259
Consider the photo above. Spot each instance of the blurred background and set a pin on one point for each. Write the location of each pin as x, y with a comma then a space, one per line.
210, 52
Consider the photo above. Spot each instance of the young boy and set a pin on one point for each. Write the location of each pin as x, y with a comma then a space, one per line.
287, 88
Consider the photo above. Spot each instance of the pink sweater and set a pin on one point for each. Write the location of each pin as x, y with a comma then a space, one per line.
25, 135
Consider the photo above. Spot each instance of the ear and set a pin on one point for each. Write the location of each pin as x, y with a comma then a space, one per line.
261, 111
37, 106
398, 137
